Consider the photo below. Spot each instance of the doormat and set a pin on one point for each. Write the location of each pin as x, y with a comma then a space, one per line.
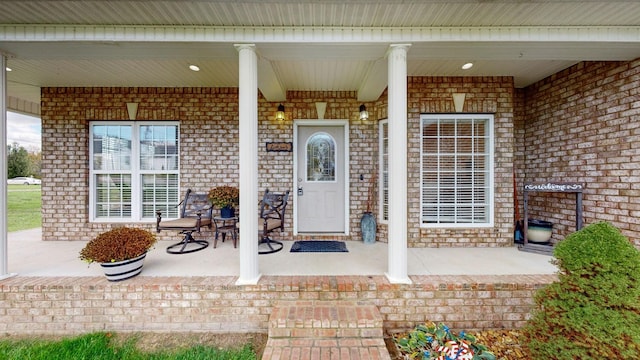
319, 246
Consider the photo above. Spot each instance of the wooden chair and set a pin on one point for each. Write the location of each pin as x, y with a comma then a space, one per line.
272, 216
195, 213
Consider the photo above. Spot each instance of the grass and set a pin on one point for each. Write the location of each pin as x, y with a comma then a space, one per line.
104, 346
24, 204
24, 212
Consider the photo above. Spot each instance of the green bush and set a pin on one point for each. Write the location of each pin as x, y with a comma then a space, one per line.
593, 310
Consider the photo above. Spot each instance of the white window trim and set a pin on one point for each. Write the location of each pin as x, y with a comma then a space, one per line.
136, 192
381, 170
491, 167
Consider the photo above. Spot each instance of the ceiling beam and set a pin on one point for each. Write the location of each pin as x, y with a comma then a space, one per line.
268, 83
23, 106
375, 81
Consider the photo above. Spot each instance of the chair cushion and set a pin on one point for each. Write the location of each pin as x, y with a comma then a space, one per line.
182, 223
271, 224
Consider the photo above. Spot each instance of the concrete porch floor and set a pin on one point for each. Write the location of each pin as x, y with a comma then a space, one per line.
30, 256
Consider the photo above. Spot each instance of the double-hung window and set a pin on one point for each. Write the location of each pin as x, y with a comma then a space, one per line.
456, 170
134, 170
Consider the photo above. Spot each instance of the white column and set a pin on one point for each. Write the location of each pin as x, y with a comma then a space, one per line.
397, 57
248, 134
4, 236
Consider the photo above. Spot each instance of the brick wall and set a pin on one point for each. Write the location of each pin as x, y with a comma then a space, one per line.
493, 95
583, 125
209, 147
277, 168
75, 305
209, 132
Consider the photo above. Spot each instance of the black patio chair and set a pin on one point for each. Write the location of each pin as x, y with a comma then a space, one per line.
195, 213
272, 216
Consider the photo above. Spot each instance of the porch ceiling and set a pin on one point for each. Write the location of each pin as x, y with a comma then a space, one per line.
302, 45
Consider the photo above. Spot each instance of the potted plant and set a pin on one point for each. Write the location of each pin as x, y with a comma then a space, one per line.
226, 198
120, 251
368, 225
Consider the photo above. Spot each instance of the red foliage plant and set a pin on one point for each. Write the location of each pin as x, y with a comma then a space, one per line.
118, 244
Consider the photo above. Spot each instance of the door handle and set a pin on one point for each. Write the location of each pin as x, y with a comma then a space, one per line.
300, 192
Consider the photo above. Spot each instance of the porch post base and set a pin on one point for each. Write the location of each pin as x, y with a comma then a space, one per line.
253, 281
398, 280
9, 275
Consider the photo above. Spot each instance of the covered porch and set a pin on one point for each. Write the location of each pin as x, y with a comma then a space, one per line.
54, 292
401, 66
29, 256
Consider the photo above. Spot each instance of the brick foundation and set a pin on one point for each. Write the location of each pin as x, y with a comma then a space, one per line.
73, 305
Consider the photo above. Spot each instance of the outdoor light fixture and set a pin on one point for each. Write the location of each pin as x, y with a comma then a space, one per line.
364, 114
280, 112
8, 69
194, 67
467, 66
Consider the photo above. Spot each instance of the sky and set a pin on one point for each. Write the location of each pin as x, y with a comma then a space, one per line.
25, 130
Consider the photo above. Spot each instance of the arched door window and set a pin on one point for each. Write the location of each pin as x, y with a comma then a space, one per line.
321, 157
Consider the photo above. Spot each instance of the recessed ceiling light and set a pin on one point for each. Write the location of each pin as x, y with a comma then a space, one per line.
467, 66
8, 69
194, 67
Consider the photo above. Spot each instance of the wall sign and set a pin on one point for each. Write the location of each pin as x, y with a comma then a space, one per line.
279, 146
554, 187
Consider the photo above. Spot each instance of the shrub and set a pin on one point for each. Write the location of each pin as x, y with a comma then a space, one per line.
593, 310
118, 244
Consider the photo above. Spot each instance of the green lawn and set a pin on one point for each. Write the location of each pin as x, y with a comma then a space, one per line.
24, 205
103, 346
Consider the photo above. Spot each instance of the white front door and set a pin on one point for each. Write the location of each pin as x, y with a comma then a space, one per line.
320, 174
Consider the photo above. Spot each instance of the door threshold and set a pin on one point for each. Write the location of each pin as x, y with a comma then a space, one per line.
322, 236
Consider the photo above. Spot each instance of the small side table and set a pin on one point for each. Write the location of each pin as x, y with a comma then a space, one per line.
226, 225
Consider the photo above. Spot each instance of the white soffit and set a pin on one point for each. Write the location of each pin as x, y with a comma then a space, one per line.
356, 13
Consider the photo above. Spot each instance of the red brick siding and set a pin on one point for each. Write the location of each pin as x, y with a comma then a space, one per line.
583, 125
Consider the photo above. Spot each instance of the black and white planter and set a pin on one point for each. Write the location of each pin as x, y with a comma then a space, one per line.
539, 231
123, 270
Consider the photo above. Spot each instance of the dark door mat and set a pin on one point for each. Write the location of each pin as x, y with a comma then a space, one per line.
319, 246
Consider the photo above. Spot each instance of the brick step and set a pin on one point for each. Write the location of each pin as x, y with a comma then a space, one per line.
344, 330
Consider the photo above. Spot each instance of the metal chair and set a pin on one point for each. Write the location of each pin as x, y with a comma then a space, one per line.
195, 213
272, 216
